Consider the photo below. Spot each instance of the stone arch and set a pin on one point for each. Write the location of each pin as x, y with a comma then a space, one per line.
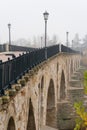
76, 64
41, 96
42, 86
62, 86
57, 67
50, 111
11, 124
57, 77
51, 95
68, 68
31, 119
71, 66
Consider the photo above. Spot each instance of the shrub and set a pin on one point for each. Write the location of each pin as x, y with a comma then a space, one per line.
81, 120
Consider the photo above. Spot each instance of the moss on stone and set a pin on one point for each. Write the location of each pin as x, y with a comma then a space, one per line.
22, 82
16, 86
26, 78
1, 101
6, 92
12, 92
5, 99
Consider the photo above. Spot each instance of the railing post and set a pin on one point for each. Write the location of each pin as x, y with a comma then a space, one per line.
46, 53
59, 47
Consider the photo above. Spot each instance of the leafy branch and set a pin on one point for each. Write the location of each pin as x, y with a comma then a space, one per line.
81, 120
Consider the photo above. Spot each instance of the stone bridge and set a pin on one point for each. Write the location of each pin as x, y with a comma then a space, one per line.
43, 96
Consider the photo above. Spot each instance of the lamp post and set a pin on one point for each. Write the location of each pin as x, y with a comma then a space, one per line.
72, 44
67, 42
9, 27
41, 41
45, 14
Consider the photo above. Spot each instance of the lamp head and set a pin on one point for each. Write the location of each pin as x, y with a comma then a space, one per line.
9, 25
45, 14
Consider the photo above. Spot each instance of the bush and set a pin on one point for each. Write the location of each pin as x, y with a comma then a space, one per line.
81, 120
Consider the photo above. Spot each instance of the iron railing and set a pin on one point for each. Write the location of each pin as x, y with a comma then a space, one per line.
12, 70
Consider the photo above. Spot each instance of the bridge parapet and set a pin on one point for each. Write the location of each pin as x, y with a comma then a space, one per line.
13, 69
37, 90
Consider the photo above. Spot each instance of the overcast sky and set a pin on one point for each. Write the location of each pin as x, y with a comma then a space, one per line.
26, 18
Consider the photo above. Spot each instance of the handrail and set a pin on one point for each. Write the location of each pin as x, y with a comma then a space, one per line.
13, 69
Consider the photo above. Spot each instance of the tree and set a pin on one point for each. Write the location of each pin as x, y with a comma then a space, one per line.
81, 120
76, 40
85, 39
55, 39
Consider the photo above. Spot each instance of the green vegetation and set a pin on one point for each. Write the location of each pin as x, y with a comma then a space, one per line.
81, 120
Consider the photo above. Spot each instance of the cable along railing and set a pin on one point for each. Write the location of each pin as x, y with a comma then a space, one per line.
12, 70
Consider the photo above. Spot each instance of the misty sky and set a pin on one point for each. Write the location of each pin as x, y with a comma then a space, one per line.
26, 17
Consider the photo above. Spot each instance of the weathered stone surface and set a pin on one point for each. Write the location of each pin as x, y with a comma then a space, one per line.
76, 83
6, 92
22, 82
66, 116
47, 128
76, 94
31, 101
12, 92
26, 78
66, 111
1, 101
18, 87
5, 99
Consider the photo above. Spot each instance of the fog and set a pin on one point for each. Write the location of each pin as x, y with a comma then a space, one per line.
26, 18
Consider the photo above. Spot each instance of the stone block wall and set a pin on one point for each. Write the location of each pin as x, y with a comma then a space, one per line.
66, 112
18, 106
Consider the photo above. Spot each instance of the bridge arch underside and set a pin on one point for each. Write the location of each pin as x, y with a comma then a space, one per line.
11, 124
50, 111
71, 66
31, 119
42, 109
62, 86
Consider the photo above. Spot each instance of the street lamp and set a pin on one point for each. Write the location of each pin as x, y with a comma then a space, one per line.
9, 27
41, 41
45, 14
67, 42
72, 44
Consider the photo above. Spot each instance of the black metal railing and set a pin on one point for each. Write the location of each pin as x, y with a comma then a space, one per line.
52, 50
3, 48
67, 49
12, 70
